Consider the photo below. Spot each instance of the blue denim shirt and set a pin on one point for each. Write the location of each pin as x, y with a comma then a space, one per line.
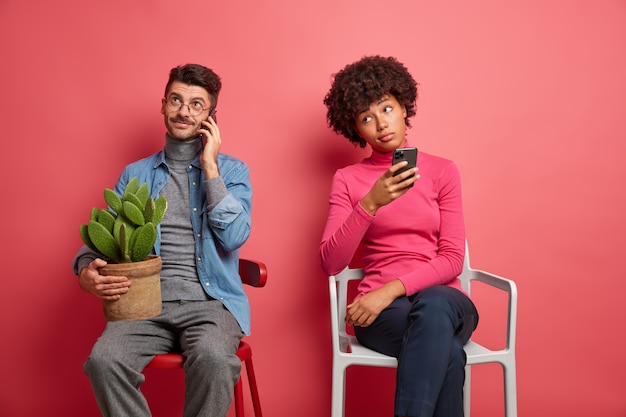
219, 233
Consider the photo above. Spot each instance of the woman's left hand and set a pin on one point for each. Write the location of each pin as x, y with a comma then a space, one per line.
365, 309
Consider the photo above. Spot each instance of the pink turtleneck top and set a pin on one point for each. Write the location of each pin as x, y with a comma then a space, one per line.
418, 238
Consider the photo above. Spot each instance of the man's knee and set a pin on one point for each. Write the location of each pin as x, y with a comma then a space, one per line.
103, 359
214, 360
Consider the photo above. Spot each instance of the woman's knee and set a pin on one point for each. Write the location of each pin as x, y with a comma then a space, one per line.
434, 303
458, 357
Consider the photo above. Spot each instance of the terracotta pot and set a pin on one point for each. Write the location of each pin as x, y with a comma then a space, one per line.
143, 299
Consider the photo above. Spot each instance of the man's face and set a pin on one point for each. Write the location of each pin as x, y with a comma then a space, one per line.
184, 108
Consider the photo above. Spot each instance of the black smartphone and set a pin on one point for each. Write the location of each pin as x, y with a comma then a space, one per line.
213, 114
404, 154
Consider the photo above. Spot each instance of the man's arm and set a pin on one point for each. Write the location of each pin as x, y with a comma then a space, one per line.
229, 203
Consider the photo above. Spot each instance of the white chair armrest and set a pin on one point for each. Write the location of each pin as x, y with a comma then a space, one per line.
507, 286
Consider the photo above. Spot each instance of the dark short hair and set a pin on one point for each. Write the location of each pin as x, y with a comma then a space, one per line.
361, 83
198, 75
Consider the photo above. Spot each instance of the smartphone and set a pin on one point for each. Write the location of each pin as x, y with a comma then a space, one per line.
404, 154
212, 113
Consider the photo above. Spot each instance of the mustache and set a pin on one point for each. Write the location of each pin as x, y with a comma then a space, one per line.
183, 120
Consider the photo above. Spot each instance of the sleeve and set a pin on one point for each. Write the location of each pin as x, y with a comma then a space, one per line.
230, 218
83, 258
346, 225
447, 263
215, 190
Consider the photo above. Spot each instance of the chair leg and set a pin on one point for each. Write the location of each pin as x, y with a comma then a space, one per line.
239, 399
338, 391
510, 390
254, 391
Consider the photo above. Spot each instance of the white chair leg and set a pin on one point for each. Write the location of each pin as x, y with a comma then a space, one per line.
510, 390
338, 391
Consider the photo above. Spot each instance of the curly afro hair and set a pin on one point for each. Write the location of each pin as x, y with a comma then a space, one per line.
359, 84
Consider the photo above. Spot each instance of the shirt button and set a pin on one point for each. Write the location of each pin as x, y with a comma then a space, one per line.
207, 283
195, 209
199, 235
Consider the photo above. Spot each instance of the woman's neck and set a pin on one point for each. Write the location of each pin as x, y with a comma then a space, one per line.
385, 157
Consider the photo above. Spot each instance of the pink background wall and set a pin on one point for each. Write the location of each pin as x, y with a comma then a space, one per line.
528, 98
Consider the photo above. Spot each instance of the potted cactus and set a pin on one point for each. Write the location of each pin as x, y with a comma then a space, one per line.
124, 235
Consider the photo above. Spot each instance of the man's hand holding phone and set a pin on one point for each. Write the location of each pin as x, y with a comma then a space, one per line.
212, 142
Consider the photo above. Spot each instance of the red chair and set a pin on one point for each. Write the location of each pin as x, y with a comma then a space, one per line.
252, 273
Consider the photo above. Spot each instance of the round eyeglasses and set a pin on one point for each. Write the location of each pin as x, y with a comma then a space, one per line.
175, 104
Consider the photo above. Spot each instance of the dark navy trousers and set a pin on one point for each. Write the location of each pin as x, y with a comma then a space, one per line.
426, 332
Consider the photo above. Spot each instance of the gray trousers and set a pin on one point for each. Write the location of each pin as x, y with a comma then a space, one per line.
204, 331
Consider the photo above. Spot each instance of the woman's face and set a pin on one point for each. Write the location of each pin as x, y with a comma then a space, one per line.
382, 124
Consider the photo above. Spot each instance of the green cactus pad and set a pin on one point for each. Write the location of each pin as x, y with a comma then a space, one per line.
143, 241
133, 213
143, 193
159, 210
124, 242
107, 219
84, 235
95, 212
130, 228
113, 200
133, 239
103, 240
132, 186
148, 210
133, 199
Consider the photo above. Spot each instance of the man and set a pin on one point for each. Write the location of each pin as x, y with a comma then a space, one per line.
205, 309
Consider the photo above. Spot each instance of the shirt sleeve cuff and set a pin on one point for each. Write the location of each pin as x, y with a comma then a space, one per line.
215, 192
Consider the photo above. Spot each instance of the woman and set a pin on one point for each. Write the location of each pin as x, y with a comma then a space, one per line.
411, 236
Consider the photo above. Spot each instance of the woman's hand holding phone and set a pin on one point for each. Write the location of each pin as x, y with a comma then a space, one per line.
409, 155
390, 186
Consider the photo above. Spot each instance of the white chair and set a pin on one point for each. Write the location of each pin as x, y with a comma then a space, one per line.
347, 351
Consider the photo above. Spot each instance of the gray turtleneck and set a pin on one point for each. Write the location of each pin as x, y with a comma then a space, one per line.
179, 278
